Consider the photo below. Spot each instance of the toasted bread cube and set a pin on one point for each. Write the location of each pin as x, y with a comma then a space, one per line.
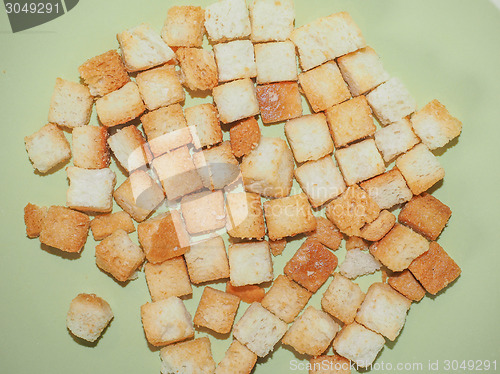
198, 68
377, 229
33, 219
245, 216
277, 246
249, 294
268, 168
311, 265
184, 26
104, 73
216, 310
166, 321
169, 278
90, 148
237, 360
259, 330
388, 189
194, 356
128, 146
342, 299
47, 148
286, 298
245, 136
355, 242
279, 101
420, 168
395, 139
227, 20
235, 60
250, 263
71, 104
65, 229
288, 216
406, 284
104, 225
327, 233
329, 365
399, 247
217, 166
358, 262
204, 118
207, 260
271, 20
236, 100
204, 211
276, 62
142, 48
312, 332
120, 106
160, 87
435, 269
88, 316
358, 344
362, 70
90, 190
324, 86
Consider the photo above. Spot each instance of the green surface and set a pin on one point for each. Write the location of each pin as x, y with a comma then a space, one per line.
440, 49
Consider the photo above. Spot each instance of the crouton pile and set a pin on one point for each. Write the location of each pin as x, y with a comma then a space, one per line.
188, 183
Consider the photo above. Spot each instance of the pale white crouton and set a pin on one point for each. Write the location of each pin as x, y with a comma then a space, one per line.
160, 87
235, 60
395, 139
192, 357
250, 263
357, 263
236, 100
207, 260
203, 120
90, 148
360, 161
237, 360
388, 189
128, 146
120, 106
184, 26
342, 299
203, 211
271, 20
227, 20
71, 104
88, 316
217, 166
276, 62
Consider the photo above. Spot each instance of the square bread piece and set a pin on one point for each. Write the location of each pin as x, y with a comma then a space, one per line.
358, 344
245, 136
358, 262
198, 68
216, 310
342, 299
217, 166
88, 316
236, 100
286, 298
355, 242
64, 229
160, 87
104, 73
33, 219
90, 147
203, 120
250, 263
383, 310
426, 215
279, 101
360, 161
327, 233
194, 356
362, 70
435, 269
312, 332
47, 148
184, 26
119, 256
71, 104
324, 86
203, 211
90, 190
245, 217
376, 230
104, 225
311, 265
227, 20
248, 294
259, 330
309, 137
420, 168
207, 260
394, 139
166, 321
120, 106
271, 20
142, 48
330, 365
237, 360
276, 62
388, 189
129, 147
288, 216
320, 180
350, 121
406, 284
235, 60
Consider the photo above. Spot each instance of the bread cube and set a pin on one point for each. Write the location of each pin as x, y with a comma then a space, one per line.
198, 68
207, 260
237, 360
104, 73
204, 119
271, 20
160, 87
276, 62
216, 310
166, 279
194, 356
184, 26
249, 294
104, 225
311, 265
217, 166
167, 321
395, 139
277, 246
235, 60
406, 284
236, 100
70, 105
388, 189
286, 298
377, 229
90, 148
120, 106
142, 48
259, 330
33, 219
342, 299
245, 216
357, 263
355, 242
279, 101
245, 136
129, 147
329, 365
204, 211
326, 233
268, 168
88, 316
47, 148
64, 229
435, 269
227, 20
250, 263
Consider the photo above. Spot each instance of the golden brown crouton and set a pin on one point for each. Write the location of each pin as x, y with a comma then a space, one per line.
406, 284
277, 246
326, 233
377, 229
33, 218
279, 101
198, 68
106, 224
248, 294
245, 136
216, 310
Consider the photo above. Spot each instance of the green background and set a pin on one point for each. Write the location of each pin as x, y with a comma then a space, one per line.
444, 49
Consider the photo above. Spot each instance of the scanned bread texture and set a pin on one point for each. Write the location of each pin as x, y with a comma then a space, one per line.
235, 60
326, 233
160, 86
327, 38
249, 294
426, 215
259, 330
358, 262
33, 219
167, 321
276, 62
227, 20
184, 26
355, 242
268, 168
342, 299
334, 364
309, 137
435, 269
237, 360
279, 101
64, 229
47, 148
288, 216
104, 225
198, 68
420, 168
142, 48
203, 211
216, 310
129, 147
90, 147
286, 298
394, 139
376, 230
204, 120
217, 166
236, 100
388, 189
104, 73
245, 136
207, 260
71, 104
250, 263
277, 246
271, 20
120, 106
194, 356
88, 316
324, 86
245, 217
362, 70
406, 284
